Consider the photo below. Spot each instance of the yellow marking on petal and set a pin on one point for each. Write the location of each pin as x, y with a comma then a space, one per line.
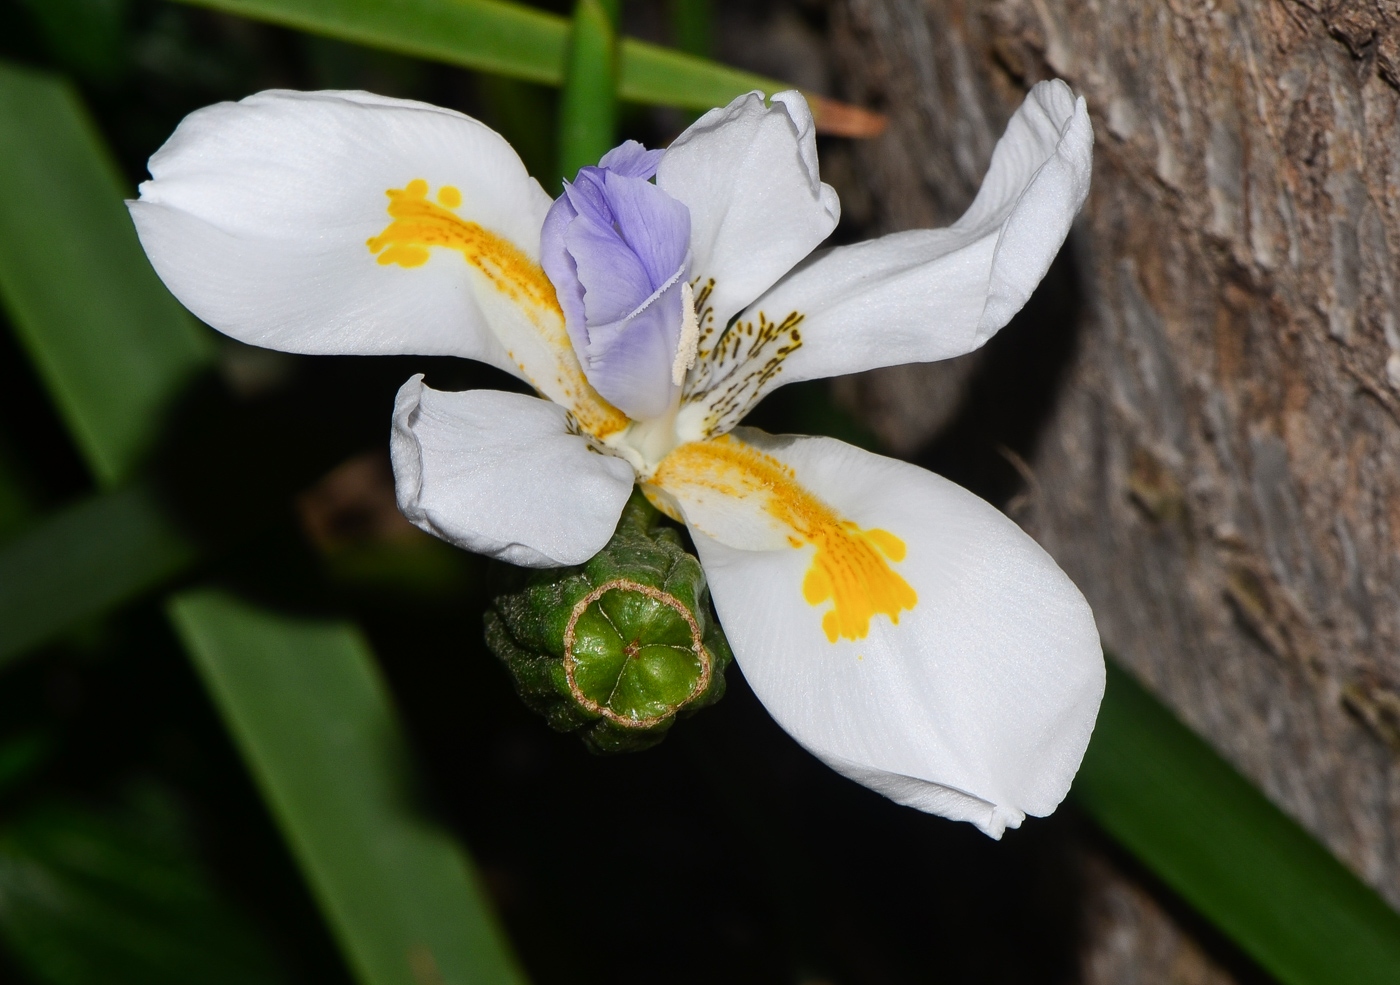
850, 567
661, 504
420, 224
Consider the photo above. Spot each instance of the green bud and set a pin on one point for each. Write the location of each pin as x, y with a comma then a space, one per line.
615, 648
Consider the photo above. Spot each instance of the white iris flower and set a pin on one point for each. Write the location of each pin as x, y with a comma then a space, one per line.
897, 626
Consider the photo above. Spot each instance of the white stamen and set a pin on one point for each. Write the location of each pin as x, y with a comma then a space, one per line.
690, 336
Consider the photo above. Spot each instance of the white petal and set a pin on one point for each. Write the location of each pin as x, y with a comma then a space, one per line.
932, 294
260, 213
976, 705
748, 173
502, 474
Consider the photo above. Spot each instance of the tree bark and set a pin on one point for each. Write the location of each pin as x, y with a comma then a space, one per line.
1220, 468
1129, 939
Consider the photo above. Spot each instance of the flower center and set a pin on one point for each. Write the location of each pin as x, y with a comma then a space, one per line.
645, 444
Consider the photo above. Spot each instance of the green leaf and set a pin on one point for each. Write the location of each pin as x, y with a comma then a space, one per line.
692, 26
111, 344
488, 35
91, 897
662, 76
506, 38
82, 561
588, 104
313, 720
87, 37
1211, 836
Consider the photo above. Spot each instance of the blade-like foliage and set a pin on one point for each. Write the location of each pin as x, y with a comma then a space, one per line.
588, 104
1211, 836
313, 720
692, 25
82, 561
110, 342
488, 35
507, 38
658, 76
92, 897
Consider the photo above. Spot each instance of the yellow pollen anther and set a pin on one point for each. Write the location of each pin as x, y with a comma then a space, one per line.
850, 567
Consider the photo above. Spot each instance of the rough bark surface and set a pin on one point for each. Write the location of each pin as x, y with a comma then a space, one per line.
1130, 940
946, 110
1221, 469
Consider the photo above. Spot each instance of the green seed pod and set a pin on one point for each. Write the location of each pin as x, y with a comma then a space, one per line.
615, 648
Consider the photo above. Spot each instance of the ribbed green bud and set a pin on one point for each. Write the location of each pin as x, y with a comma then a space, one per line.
617, 647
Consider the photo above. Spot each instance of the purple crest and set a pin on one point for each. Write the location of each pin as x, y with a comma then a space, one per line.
616, 248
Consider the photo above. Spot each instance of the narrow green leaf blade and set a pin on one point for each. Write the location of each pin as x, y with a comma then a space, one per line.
487, 35
507, 38
110, 342
692, 25
82, 561
307, 708
588, 104
1185, 813
662, 76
